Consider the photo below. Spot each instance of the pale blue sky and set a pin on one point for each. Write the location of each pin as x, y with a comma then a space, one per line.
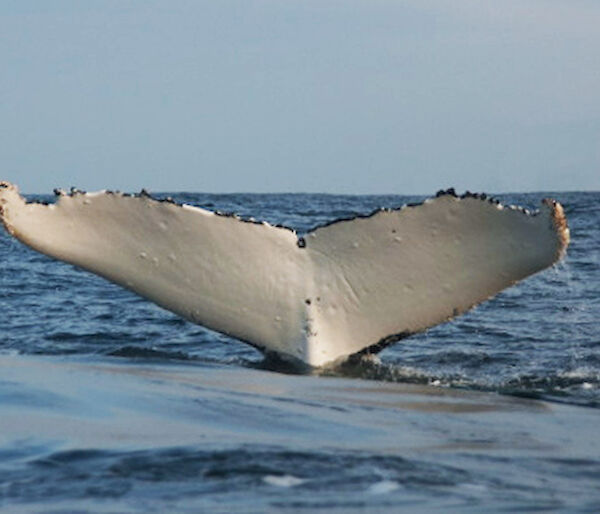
372, 96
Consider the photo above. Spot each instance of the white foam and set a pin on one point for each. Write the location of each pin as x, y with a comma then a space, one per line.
383, 487
283, 480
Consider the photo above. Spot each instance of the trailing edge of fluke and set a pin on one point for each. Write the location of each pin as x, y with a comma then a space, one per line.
351, 286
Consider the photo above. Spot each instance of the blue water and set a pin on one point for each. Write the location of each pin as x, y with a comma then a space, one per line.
108, 403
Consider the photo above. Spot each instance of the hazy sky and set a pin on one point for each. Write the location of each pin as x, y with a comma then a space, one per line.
346, 96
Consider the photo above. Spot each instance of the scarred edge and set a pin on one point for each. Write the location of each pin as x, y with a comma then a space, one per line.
3, 202
557, 212
561, 227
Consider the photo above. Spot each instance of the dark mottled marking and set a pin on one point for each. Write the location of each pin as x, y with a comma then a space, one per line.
249, 219
384, 342
448, 192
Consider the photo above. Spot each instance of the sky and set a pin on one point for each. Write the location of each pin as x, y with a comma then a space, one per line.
333, 96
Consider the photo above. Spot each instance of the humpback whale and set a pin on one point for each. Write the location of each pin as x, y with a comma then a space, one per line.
350, 286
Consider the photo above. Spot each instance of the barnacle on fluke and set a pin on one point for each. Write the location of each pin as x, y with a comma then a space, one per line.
376, 277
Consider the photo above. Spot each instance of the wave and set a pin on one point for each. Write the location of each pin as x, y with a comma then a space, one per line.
167, 474
578, 386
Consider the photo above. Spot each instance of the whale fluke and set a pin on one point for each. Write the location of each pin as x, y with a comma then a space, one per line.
346, 287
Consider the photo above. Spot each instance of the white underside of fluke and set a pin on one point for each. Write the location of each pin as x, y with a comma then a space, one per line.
343, 288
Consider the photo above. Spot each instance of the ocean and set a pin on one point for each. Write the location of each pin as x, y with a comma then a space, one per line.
110, 404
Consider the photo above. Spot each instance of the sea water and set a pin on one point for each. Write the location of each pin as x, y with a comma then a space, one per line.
110, 404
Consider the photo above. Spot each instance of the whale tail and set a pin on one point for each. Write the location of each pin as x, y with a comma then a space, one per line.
346, 287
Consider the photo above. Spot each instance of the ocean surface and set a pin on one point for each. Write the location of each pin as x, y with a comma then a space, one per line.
110, 404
